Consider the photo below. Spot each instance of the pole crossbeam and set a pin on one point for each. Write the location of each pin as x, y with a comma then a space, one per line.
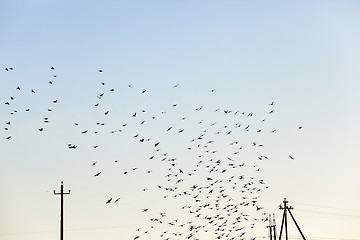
61, 193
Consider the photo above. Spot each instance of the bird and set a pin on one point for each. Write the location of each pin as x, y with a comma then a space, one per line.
33, 91
100, 70
291, 157
18, 88
108, 201
144, 91
55, 101
106, 113
97, 174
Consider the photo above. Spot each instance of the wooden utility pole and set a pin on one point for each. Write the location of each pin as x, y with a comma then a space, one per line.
272, 227
284, 220
61, 193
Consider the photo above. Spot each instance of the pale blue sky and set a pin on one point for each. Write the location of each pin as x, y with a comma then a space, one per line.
304, 56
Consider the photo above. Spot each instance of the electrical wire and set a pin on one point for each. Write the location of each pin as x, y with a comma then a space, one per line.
331, 207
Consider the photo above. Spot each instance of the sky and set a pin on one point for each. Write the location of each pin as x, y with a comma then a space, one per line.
239, 82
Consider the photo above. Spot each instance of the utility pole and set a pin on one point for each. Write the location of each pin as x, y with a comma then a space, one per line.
61, 193
284, 220
272, 227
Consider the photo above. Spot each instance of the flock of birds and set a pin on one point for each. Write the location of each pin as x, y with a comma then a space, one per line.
216, 190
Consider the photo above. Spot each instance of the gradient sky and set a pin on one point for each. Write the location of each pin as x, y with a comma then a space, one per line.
303, 56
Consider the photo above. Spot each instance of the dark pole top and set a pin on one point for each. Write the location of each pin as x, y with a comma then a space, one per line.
61, 189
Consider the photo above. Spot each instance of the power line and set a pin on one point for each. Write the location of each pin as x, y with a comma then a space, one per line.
320, 238
332, 207
329, 213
